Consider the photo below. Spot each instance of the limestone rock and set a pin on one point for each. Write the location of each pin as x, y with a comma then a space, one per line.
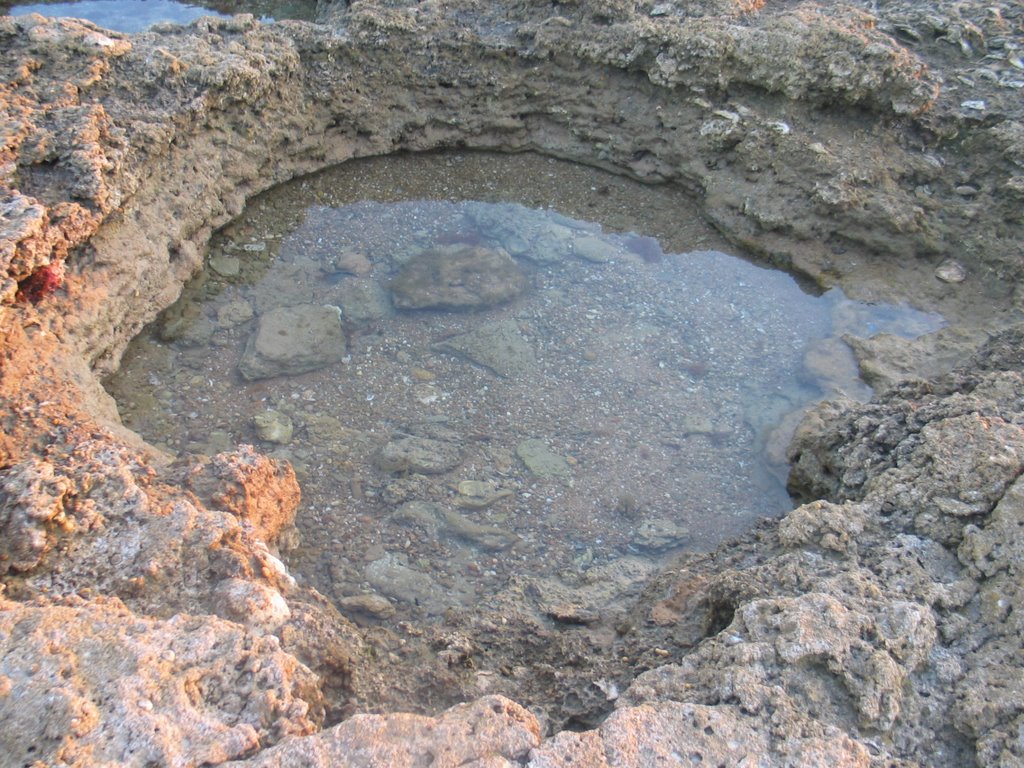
498, 346
34, 499
255, 605
673, 733
425, 455
363, 301
258, 490
293, 340
491, 732
91, 683
458, 277
541, 460
274, 427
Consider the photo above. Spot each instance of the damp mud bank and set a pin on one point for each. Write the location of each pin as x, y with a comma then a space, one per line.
147, 616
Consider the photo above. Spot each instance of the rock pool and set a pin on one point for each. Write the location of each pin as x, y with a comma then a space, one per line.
484, 366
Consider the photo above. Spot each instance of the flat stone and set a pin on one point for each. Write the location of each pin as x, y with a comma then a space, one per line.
372, 604
541, 460
423, 455
458, 277
658, 534
226, 266
594, 249
363, 301
498, 346
293, 340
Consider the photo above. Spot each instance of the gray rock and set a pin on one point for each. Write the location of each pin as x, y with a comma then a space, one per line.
363, 300
424, 455
292, 340
458, 277
498, 346
274, 427
540, 459
658, 534
391, 575
226, 266
594, 249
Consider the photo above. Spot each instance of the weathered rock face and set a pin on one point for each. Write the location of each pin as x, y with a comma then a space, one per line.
492, 732
877, 624
457, 277
90, 683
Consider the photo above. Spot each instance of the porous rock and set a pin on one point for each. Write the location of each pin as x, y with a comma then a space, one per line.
491, 732
88, 683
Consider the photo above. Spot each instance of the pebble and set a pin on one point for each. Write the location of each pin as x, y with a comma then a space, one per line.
225, 266
951, 271
369, 604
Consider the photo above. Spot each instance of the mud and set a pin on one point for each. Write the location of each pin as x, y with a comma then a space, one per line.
867, 148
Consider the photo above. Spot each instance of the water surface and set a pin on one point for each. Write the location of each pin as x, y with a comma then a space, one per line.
660, 379
119, 15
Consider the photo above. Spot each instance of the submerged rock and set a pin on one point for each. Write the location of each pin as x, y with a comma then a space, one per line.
363, 301
458, 277
498, 346
595, 249
425, 455
541, 460
274, 427
293, 340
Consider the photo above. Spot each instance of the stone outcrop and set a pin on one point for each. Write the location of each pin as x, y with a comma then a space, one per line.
145, 618
90, 682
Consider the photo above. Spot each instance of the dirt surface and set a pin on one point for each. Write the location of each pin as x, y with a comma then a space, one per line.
877, 148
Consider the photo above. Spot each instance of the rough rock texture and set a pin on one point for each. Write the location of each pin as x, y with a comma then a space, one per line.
87, 683
878, 624
491, 732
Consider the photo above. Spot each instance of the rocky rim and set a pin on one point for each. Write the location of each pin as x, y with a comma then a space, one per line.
146, 617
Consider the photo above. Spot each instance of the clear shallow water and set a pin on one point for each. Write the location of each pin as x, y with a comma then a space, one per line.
119, 15
656, 375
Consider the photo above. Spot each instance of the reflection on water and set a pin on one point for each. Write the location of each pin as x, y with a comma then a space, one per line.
510, 389
119, 15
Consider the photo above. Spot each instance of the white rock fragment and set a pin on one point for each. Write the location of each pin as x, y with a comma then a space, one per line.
951, 271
